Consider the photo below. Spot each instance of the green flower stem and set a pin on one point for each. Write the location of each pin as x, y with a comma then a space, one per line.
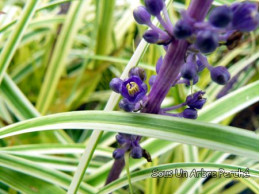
128, 172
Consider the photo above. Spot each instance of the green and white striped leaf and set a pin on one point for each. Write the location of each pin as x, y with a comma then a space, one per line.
16, 36
146, 173
50, 175
213, 136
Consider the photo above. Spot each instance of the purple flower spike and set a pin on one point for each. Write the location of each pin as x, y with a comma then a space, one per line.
141, 15
195, 100
116, 85
118, 153
136, 152
220, 75
207, 41
182, 30
245, 16
159, 64
189, 71
133, 89
154, 7
190, 113
220, 16
137, 71
126, 105
151, 36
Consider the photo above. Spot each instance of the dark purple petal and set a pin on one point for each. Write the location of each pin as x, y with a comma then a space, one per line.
201, 66
116, 85
190, 113
118, 153
154, 7
220, 16
121, 139
245, 16
151, 36
127, 106
195, 79
141, 15
136, 152
152, 80
159, 64
182, 30
137, 71
199, 104
220, 75
189, 71
195, 100
207, 41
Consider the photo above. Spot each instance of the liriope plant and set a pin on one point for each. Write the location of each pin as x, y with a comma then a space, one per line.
185, 44
173, 75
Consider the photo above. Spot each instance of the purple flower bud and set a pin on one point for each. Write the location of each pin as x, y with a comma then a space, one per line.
127, 106
152, 80
195, 100
116, 85
118, 153
151, 36
133, 89
201, 66
189, 71
120, 139
188, 82
154, 7
220, 16
220, 75
137, 71
159, 64
134, 138
195, 79
136, 152
190, 113
141, 15
245, 16
182, 30
207, 41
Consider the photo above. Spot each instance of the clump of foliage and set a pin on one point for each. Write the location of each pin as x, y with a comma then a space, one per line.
66, 65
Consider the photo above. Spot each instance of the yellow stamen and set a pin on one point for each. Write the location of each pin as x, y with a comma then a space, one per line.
132, 88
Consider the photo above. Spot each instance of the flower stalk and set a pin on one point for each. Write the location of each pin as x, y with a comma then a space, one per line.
174, 60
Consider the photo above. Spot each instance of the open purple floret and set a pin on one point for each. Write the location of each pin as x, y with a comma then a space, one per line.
133, 89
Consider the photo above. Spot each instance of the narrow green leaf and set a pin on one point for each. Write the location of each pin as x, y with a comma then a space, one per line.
52, 148
191, 184
213, 136
146, 173
27, 184
21, 106
47, 6
57, 63
231, 103
12, 43
253, 185
16, 100
46, 174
